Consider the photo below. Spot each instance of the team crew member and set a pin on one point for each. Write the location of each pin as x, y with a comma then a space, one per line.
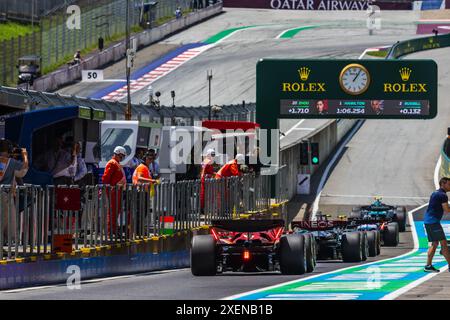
231, 168
115, 176
154, 165
206, 173
142, 173
437, 206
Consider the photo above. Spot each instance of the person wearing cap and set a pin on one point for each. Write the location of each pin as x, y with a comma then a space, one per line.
142, 172
231, 168
114, 176
207, 172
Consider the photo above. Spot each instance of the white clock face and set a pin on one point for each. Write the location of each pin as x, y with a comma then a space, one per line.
354, 79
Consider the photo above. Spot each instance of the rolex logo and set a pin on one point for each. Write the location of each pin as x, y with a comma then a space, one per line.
304, 73
405, 73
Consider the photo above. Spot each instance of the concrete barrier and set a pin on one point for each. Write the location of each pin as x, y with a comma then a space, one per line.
115, 53
158, 253
318, 4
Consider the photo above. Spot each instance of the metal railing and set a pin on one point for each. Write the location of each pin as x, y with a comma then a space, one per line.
32, 217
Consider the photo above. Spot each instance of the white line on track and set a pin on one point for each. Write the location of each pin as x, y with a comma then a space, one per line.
306, 129
436, 172
293, 128
94, 280
371, 196
416, 246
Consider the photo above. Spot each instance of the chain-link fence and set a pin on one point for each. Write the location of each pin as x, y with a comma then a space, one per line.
56, 43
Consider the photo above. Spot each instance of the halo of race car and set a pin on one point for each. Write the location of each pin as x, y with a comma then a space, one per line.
255, 245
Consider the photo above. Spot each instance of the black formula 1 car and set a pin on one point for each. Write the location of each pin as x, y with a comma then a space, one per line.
381, 211
251, 246
337, 239
389, 220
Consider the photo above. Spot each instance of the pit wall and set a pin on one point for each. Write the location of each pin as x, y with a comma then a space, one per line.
157, 253
113, 54
328, 136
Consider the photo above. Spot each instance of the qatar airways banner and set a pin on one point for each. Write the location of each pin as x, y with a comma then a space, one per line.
316, 4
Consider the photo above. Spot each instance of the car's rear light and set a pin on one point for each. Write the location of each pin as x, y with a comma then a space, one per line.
246, 255
215, 235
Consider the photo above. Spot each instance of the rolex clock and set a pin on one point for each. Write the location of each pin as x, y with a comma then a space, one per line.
354, 79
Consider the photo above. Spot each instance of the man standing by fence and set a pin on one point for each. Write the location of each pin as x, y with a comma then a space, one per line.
142, 172
115, 177
206, 173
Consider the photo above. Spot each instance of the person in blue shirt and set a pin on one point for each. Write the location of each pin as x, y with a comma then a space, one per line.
154, 165
437, 206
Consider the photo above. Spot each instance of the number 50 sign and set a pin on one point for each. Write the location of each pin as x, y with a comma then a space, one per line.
91, 75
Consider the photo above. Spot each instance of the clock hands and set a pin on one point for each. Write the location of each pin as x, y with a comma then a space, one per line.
357, 75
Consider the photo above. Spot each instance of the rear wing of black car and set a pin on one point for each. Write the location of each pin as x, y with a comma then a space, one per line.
319, 225
247, 225
372, 220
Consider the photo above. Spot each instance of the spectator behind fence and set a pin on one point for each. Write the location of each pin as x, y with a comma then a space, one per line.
154, 165
19, 174
178, 13
63, 162
136, 160
114, 176
81, 171
8, 168
77, 59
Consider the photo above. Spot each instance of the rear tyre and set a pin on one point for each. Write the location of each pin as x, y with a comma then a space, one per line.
378, 242
309, 253
372, 239
203, 256
401, 218
292, 254
351, 247
364, 246
391, 235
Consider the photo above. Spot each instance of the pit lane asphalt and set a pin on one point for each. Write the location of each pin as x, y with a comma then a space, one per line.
182, 285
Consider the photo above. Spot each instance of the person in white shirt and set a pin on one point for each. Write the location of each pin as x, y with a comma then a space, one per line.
81, 170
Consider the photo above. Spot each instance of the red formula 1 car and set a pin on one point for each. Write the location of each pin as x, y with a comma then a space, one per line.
250, 246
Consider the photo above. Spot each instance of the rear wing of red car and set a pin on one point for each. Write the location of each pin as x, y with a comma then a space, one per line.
259, 225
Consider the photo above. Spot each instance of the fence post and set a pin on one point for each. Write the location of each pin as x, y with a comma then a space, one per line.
4, 80
19, 46
57, 38
12, 55
2, 213
50, 42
